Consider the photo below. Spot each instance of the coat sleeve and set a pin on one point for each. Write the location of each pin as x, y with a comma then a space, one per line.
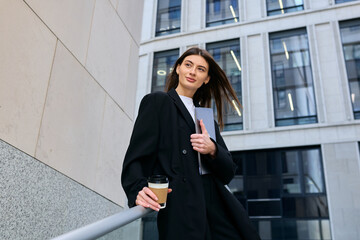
141, 153
222, 166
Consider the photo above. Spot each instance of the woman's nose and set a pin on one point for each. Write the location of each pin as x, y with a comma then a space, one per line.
192, 71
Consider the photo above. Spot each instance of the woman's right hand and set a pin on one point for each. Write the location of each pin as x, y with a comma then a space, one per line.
147, 199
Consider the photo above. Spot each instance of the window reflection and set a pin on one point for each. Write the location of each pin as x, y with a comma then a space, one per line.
294, 99
162, 66
350, 36
312, 172
275, 7
227, 55
290, 173
274, 187
168, 19
219, 12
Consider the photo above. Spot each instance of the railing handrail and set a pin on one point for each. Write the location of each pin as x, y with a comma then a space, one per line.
106, 225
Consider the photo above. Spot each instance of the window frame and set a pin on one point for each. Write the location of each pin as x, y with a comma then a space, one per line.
284, 9
297, 120
223, 21
236, 126
165, 53
245, 199
342, 25
344, 1
159, 33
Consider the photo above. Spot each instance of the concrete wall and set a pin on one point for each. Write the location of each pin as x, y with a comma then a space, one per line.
38, 202
68, 77
336, 129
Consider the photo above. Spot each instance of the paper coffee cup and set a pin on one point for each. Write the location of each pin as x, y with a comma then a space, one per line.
159, 185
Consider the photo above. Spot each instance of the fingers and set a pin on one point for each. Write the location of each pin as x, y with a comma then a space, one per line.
202, 143
203, 128
147, 199
199, 141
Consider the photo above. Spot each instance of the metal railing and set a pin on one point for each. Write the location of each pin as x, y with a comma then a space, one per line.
106, 225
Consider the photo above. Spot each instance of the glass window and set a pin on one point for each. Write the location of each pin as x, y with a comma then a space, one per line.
162, 66
275, 7
219, 12
294, 99
227, 55
274, 187
343, 1
313, 181
350, 36
290, 173
168, 19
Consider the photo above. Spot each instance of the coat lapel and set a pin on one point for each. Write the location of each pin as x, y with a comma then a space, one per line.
183, 110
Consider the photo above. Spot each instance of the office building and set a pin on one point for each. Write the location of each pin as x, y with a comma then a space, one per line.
295, 65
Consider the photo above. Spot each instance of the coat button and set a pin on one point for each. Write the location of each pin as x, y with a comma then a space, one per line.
184, 179
184, 151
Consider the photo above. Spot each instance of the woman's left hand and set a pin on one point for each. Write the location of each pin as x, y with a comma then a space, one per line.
202, 142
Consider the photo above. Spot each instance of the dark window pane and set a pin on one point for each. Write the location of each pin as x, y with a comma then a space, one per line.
350, 36
275, 7
290, 230
278, 209
294, 98
221, 12
316, 207
264, 208
263, 187
305, 207
162, 66
168, 17
285, 229
293, 207
263, 180
227, 55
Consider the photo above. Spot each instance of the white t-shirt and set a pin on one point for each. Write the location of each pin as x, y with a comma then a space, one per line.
189, 104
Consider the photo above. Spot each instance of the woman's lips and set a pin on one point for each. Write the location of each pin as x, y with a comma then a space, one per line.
190, 79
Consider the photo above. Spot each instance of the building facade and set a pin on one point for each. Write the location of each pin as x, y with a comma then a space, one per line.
68, 73
295, 65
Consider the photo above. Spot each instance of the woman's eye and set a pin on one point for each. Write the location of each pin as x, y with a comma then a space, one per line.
202, 70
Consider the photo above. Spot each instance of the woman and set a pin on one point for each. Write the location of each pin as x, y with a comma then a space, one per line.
164, 142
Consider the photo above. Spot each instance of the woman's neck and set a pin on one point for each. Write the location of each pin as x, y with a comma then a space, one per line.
185, 93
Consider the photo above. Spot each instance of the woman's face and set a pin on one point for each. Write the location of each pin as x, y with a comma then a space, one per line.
193, 72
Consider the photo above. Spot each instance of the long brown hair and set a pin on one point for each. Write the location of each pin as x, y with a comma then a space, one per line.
218, 87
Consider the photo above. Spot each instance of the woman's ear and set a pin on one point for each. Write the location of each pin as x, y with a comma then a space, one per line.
207, 80
177, 69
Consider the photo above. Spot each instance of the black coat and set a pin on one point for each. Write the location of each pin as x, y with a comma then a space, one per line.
160, 144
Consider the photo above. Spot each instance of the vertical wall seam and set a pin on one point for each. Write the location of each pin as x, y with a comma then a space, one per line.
45, 101
91, 28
